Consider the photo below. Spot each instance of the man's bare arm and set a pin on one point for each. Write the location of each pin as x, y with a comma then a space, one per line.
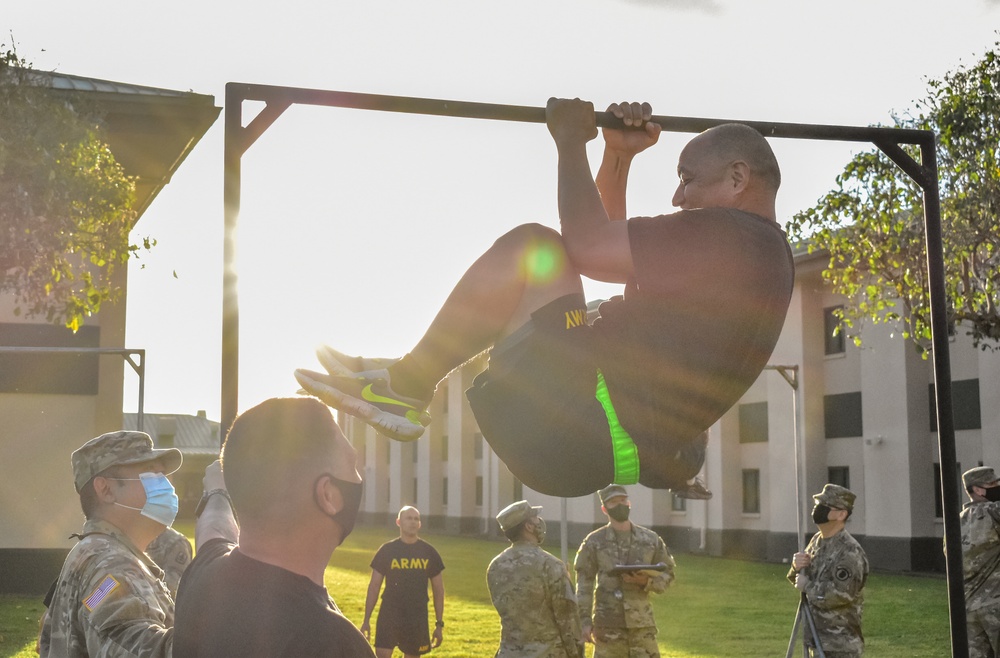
437, 588
374, 586
598, 247
620, 147
217, 520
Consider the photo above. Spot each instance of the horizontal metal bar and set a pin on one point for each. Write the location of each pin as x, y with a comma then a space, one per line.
73, 350
528, 114
791, 375
139, 368
124, 352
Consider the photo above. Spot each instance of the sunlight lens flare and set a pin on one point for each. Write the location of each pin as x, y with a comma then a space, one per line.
542, 262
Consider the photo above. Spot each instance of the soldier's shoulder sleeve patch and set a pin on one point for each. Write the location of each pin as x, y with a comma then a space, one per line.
107, 586
842, 573
182, 558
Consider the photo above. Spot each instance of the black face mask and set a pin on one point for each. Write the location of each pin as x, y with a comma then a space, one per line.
992, 494
821, 514
351, 493
618, 512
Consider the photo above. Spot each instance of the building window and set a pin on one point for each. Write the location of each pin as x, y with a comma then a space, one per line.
842, 415
479, 491
444, 492
51, 373
477, 443
414, 491
840, 475
444, 398
965, 409
444, 447
518, 490
677, 503
753, 422
833, 331
751, 491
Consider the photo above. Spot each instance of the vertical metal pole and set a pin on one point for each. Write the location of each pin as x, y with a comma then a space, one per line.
791, 375
487, 487
799, 468
142, 388
564, 531
233, 151
942, 387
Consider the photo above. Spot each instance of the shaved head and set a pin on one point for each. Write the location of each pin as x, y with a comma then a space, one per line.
736, 141
275, 451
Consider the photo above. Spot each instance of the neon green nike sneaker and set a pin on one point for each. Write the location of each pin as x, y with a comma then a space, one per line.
368, 396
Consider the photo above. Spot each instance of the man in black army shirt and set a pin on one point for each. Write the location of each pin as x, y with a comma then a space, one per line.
406, 565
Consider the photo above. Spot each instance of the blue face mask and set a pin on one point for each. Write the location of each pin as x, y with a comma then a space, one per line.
161, 500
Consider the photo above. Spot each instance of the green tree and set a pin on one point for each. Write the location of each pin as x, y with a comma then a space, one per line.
66, 205
872, 223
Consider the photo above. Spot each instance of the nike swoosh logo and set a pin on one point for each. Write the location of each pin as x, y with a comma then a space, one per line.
370, 396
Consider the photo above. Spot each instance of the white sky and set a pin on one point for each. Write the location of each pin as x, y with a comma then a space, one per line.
355, 225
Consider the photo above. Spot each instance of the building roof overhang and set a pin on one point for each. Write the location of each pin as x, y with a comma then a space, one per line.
149, 130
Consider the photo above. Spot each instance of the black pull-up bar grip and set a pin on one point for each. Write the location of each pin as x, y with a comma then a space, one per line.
527, 114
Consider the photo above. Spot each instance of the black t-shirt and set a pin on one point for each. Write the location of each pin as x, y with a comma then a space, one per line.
407, 568
231, 605
697, 325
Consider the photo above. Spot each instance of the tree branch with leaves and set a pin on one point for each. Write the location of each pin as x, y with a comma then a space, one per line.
872, 223
66, 204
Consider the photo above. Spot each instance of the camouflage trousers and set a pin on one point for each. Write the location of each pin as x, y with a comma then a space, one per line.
626, 643
984, 632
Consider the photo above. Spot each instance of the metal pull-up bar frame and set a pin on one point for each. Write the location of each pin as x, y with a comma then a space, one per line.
889, 140
138, 364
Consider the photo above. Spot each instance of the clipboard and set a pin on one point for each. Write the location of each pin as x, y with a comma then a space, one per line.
648, 569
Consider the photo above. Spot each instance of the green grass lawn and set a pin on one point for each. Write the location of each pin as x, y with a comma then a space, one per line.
716, 609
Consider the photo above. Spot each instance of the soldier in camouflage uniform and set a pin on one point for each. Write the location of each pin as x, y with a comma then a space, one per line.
172, 552
980, 522
832, 573
532, 592
110, 599
618, 617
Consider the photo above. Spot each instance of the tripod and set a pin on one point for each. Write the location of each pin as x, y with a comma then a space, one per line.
804, 613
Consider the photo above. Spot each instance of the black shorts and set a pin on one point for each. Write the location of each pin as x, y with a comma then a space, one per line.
406, 630
536, 404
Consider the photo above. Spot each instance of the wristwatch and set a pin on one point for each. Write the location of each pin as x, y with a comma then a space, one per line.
439, 624
208, 494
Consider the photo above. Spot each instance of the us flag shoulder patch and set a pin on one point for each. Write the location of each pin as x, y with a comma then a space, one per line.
107, 586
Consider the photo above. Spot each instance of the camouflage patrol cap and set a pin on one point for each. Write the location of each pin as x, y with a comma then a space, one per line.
834, 495
977, 477
119, 448
515, 514
610, 491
